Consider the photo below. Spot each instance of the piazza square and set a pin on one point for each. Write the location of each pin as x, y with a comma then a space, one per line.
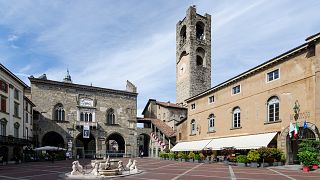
91, 90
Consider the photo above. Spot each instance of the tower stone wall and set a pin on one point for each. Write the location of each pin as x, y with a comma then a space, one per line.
193, 55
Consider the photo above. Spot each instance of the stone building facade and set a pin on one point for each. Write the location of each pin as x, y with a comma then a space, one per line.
65, 110
261, 101
159, 126
193, 55
15, 116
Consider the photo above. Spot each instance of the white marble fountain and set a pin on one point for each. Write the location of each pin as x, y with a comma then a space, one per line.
103, 169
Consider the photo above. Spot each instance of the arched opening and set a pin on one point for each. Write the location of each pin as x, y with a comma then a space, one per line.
184, 53
200, 30
4, 153
53, 139
85, 147
144, 141
293, 143
199, 61
183, 34
17, 153
115, 145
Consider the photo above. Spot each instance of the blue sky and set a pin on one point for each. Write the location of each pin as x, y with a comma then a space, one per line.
108, 42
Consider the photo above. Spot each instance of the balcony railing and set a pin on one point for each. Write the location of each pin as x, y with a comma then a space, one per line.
82, 123
13, 140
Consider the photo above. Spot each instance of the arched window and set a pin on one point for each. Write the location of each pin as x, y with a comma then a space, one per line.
236, 118
199, 61
86, 117
81, 116
16, 130
211, 123
59, 112
110, 117
3, 125
200, 30
183, 35
193, 126
273, 109
90, 117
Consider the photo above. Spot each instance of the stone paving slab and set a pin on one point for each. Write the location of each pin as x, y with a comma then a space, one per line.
158, 170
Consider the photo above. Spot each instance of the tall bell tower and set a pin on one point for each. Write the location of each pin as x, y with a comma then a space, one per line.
193, 55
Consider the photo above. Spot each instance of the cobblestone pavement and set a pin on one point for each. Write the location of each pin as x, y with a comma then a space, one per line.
154, 169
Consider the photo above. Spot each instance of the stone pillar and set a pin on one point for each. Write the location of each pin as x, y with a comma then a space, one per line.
151, 142
169, 144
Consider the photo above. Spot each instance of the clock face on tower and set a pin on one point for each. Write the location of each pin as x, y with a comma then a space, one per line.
182, 69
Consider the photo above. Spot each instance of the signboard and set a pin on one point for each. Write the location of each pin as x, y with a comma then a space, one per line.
86, 102
86, 131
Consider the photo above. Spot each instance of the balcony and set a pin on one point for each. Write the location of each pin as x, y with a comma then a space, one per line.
13, 140
91, 124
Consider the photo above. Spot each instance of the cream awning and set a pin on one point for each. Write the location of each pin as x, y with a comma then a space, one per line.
191, 145
242, 142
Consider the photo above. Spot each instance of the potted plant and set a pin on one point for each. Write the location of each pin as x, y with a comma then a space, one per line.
202, 157
191, 156
265, 156
171, 155
242, 160
315, 164
196, 157
180, 156
253, 156
161, 155
307, 158
184, 157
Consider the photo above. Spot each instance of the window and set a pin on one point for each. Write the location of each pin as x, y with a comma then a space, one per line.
27, 117
81, 116
236, 118
27, 133
110, 117
3, 107
200, 30
16, 109
193, 106
59, 113
211, 123
16, 130
16, 94
3, 125
90, 117
236, 89
4, 86
211, 99
273, 75
193, 127
27, 107
273, 109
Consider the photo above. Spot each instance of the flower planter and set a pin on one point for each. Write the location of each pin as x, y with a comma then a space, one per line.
254, 164
275, 164
264, 164
196, 161
183, 160
306, 168
279, 163
241, 164
315, 166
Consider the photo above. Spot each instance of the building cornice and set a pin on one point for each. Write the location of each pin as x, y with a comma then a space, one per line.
81, 87
263, 66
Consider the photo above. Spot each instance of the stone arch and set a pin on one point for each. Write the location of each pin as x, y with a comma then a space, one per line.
53, 138
85, 145
200, 58
115, 143
144, 140
200, 30
4, 152
283, 139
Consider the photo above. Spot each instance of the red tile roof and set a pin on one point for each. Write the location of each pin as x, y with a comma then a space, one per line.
168, 104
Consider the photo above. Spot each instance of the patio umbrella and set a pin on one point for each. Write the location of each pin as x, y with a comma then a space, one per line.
49, 148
